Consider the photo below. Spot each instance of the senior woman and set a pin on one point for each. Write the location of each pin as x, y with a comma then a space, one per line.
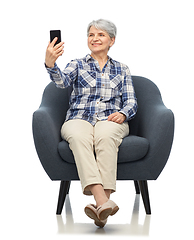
101, 104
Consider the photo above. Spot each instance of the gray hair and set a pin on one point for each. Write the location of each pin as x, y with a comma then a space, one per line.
104, 25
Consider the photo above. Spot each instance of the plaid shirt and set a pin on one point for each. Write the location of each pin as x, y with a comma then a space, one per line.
96, 93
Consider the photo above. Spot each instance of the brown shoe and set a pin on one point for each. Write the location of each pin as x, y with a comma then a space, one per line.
108, 208
91, 212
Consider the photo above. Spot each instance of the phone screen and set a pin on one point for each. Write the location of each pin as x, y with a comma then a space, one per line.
55, 33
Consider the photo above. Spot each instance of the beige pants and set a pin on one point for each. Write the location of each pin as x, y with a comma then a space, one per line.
95, 150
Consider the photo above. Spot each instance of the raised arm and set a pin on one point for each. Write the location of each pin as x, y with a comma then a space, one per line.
53, 52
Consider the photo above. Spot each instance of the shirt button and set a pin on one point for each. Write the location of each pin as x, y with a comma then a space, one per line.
103, 85
102, 74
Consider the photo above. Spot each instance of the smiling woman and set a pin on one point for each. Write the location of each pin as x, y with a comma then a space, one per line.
101, 104
99, 42
101, 36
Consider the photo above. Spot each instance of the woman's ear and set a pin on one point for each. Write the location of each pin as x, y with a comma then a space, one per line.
112, 41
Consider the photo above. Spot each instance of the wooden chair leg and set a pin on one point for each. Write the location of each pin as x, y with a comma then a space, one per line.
64, 190
145, 195
137, 187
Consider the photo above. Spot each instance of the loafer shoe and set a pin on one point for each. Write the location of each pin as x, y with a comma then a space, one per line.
91, 212
108, 208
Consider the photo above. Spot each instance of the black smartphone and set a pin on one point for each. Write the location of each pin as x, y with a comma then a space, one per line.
55, 33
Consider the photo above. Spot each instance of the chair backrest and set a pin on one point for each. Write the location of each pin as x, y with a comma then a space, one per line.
147, 94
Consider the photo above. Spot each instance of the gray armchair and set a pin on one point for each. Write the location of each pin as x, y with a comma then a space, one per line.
142, 155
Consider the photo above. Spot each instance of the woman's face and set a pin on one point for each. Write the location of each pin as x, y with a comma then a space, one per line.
99, 41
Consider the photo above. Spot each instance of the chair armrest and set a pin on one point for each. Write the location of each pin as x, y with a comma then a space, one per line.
46, 138
47, 122
45, 127
157, 125
46, 135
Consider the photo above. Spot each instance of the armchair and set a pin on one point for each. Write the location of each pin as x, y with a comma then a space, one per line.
142, 155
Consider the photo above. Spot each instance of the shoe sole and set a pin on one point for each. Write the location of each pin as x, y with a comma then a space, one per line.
115, 210
105, 213
91, 214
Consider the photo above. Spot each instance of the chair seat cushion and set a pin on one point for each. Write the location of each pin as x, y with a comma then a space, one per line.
132, 148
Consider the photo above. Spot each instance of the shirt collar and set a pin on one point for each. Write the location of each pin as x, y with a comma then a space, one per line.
89, 57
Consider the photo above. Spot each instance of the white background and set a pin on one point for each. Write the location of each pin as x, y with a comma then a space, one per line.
155, 39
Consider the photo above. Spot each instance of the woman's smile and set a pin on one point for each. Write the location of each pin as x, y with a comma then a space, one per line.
96, 44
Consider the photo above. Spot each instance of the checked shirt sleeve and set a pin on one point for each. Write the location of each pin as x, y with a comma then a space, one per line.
128, 97
65, 78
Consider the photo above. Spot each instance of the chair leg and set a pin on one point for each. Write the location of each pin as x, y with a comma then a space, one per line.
137, 187
64, 190
145, 195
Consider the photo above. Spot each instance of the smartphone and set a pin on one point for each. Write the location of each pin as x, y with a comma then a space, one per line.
55, 33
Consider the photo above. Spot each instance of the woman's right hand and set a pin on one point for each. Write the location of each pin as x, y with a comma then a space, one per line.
53, 52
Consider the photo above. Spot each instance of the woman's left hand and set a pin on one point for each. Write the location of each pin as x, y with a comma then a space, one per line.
117, 117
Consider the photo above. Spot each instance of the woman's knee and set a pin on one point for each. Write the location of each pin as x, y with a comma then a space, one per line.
79, 138
76, 129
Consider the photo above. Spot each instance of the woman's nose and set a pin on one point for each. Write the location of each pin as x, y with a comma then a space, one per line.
95, 38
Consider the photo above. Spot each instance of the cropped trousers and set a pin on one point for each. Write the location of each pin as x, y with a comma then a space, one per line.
95, 150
